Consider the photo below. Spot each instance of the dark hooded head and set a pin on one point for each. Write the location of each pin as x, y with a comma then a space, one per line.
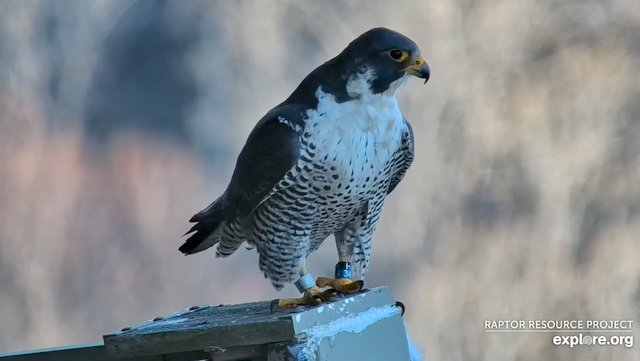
389, 54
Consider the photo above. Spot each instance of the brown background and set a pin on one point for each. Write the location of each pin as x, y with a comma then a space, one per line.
120, 119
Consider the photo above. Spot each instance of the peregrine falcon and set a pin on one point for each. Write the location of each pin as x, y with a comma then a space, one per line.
318, 164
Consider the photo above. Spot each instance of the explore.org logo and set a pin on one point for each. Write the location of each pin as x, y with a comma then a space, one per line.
571, 332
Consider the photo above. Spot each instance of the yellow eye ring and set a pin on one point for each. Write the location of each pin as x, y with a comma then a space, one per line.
398, 55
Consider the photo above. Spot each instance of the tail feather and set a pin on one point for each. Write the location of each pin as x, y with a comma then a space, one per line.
211, 211
207, 222
193, 229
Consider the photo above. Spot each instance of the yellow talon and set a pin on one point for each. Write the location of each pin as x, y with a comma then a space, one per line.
342, 285
313, 296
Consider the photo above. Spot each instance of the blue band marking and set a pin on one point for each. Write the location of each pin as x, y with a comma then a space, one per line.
343, 270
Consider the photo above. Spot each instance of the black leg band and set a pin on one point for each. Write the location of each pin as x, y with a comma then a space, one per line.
343, 270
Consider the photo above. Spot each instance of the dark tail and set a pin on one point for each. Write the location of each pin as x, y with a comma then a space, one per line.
207, 221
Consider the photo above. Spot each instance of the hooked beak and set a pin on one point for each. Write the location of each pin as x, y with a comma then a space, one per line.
419, 68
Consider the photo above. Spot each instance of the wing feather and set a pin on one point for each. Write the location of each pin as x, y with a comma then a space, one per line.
403, 158
272, 149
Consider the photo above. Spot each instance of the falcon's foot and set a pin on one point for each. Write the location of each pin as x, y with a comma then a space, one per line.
344, 286
312, 296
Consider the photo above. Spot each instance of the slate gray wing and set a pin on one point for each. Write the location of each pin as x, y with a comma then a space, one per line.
272, 149
403, 157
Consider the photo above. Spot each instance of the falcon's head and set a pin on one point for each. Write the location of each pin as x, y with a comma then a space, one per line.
389, 54
380, 57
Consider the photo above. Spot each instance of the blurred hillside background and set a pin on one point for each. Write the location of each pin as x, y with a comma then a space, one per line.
120, 119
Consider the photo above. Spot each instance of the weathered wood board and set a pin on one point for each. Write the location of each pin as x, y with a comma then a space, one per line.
249, 329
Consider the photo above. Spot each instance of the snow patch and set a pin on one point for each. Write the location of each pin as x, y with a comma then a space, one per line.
355, 323
163, 323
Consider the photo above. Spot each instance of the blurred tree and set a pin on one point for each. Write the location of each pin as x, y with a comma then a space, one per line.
143, 81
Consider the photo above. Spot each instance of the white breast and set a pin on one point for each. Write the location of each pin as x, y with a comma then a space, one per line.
361, 134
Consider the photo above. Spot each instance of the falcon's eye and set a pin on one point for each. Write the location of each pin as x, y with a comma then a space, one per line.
398, 55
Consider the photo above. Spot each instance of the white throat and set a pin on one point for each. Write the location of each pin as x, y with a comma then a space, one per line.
361, 134
359, 86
